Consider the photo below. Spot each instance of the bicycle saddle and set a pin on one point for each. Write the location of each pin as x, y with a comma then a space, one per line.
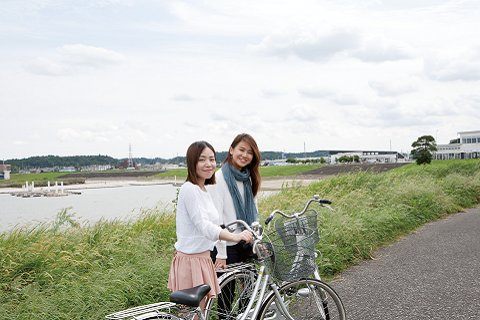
190, 297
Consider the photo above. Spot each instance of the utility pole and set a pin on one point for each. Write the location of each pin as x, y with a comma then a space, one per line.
130, 157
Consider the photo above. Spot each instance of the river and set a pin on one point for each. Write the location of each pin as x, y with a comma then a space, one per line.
90, 206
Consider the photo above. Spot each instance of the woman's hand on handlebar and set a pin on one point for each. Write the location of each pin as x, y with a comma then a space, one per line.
245, 235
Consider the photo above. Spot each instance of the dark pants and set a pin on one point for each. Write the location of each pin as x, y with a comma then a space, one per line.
236, 253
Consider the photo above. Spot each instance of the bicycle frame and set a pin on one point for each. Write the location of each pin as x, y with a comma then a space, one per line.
262, 282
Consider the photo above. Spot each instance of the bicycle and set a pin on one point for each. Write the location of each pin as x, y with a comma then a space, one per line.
241, 277
291, 300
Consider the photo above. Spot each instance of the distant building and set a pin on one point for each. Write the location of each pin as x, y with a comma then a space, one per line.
332, 156
96, 167
466, 146
67, 169
369, 156
5, 170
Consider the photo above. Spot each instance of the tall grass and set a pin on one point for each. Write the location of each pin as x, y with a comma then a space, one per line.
375, 209
68, 271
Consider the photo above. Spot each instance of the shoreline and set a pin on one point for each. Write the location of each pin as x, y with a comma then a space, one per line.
268, 184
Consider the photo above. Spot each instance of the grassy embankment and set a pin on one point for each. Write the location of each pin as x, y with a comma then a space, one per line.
266, 172
41, 179
65, 271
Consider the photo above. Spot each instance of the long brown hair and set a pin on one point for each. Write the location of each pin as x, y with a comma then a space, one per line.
252, 166
193, 155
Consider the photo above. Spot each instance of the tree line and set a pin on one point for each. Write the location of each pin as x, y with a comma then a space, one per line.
52, 161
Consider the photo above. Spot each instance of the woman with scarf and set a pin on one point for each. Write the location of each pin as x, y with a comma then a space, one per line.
238, 182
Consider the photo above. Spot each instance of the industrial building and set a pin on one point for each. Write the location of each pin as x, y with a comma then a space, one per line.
466, 146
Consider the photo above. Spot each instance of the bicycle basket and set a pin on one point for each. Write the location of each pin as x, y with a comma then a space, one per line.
285, 226
292, 252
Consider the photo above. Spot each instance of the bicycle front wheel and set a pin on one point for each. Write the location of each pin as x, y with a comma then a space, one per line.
236, 290
305, 299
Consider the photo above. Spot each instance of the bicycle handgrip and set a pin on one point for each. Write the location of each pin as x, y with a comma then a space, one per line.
267, 221
324, 201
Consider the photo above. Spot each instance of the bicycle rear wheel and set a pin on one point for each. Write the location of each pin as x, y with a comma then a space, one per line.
236, 289
305, 299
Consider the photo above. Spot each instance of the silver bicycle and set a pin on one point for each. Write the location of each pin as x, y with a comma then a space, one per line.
277, 286
238, 281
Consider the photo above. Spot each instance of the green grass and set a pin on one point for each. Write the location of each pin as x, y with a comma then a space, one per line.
290, 170
265, 172
180, 173
40, 179
68, 271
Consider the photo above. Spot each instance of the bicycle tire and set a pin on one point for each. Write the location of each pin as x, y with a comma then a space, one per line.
236, 288
305, 299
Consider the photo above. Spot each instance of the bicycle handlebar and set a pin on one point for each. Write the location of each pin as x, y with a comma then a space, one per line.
323, 202
253, 229
256, 229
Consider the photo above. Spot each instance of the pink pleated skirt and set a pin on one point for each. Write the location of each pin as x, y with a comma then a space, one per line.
191, 270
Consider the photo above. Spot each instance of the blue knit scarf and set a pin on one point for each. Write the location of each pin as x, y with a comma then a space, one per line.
245, 210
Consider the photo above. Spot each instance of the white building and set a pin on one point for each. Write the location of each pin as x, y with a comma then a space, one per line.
467, 146
5, 172
370, 156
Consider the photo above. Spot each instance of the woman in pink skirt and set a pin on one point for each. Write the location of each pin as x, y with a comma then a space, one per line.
198, 225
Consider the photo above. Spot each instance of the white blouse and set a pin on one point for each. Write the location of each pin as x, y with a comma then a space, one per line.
197, 220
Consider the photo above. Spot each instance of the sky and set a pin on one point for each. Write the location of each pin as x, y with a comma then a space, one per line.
93, 76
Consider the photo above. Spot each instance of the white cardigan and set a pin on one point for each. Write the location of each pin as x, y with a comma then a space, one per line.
224, 203
197, 220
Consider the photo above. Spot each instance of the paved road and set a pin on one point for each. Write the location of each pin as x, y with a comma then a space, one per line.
433, 273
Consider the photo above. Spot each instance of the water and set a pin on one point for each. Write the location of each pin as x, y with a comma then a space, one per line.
92, 205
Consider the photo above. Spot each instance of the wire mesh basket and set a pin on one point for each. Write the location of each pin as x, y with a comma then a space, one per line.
289, 251
309, 219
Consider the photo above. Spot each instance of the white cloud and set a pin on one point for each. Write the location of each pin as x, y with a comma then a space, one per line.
308, 44
73, 58
102, 131
468, 105
394, 87
451, 66
379, 49
315, 92
183, 97
311, 45
83, 55
47, 67
271, 93
343, 99
339, 74
303, 113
